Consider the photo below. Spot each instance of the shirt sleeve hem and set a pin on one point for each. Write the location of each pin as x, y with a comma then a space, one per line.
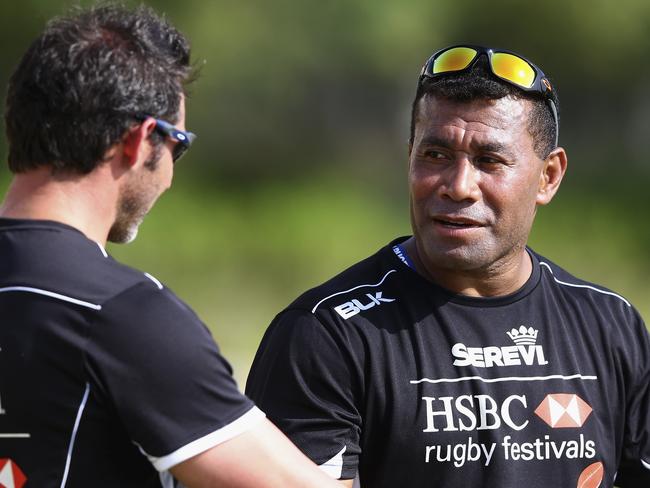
242, 424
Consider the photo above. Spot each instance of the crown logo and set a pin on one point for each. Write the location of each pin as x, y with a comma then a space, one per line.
523, 336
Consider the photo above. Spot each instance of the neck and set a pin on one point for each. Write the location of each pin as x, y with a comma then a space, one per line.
80, 201
500, 278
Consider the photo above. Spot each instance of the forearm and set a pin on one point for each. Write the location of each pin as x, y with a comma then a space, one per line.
260, 458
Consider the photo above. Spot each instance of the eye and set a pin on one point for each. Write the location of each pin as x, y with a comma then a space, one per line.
435, 154
487, 159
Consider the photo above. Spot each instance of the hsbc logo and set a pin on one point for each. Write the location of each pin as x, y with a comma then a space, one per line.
353, 307
483, 412
475, 413
10, 474
562, 410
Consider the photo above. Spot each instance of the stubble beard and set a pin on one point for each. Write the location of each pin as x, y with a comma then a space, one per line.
135, 201
484, 257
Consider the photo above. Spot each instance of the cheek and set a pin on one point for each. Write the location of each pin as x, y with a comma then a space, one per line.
514, 202
422, 184
168, 173
170, 176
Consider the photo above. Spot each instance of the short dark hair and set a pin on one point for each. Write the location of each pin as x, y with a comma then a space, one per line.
479, 83
77, 88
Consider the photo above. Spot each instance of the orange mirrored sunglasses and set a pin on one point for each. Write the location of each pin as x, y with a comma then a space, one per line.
505, 65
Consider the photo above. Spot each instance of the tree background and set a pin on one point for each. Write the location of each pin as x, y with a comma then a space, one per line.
302, 110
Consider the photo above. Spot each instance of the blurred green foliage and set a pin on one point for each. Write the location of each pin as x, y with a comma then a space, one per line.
302, 110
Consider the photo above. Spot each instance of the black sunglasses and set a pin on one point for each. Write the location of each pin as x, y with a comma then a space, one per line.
505, 65
182, 138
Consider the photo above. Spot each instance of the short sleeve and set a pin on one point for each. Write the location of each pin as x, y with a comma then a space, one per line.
156, 364
303, 377
634, 469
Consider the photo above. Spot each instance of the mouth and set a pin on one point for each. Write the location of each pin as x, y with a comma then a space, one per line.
456, 222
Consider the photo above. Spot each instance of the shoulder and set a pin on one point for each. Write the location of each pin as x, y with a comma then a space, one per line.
574, 285
588, 297
320, 318
368, 276
56, 260
152, 313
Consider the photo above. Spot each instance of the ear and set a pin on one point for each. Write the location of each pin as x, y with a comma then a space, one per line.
552, 173
136, 146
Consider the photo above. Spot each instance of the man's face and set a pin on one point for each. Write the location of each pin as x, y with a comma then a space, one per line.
143, 187
474, 179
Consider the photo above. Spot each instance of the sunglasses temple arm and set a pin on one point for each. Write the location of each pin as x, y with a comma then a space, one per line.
557, 122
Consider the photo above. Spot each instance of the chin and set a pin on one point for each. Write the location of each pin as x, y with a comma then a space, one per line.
131, 235
459, 261
123, 234
462, 257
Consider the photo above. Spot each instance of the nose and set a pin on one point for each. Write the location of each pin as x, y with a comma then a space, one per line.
460, 181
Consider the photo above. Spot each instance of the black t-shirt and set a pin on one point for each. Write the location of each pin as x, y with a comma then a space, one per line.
382, 373
106, 378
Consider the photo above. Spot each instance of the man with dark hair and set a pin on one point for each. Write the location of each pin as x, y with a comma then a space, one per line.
458, 356
108, 379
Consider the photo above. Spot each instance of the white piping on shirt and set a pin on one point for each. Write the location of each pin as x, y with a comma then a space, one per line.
509, 378
166, 479
101, 248
155, 280
542, 263
352, 289
242, 424
334, 466
74, 434
52, 294
645, 464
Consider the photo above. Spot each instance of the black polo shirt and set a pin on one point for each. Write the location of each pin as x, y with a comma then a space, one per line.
106, 378
380, 373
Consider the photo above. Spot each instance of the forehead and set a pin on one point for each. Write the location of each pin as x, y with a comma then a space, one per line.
504, 120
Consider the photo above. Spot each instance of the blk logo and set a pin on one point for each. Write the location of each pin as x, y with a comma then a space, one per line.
10, 474
563, 410
353, 307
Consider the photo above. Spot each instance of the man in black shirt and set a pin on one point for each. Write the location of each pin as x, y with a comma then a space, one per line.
458, 356
108, 379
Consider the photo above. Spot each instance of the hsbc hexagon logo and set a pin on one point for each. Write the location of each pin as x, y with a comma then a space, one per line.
563, 410
10, 474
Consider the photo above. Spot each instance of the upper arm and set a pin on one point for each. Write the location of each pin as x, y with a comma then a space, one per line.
259, 458
303, 377
634, 470
154, 362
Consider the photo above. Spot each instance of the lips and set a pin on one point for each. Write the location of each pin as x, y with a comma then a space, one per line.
456, 221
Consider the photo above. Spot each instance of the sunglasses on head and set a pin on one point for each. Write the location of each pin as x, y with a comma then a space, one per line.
182, 138
505, 65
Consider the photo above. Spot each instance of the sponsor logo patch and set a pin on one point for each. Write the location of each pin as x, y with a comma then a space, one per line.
353, 307
475, 413
591, 476
563, 410
523, 336
525, 351
10, 474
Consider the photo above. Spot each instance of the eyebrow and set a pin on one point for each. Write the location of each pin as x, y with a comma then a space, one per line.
494, 147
